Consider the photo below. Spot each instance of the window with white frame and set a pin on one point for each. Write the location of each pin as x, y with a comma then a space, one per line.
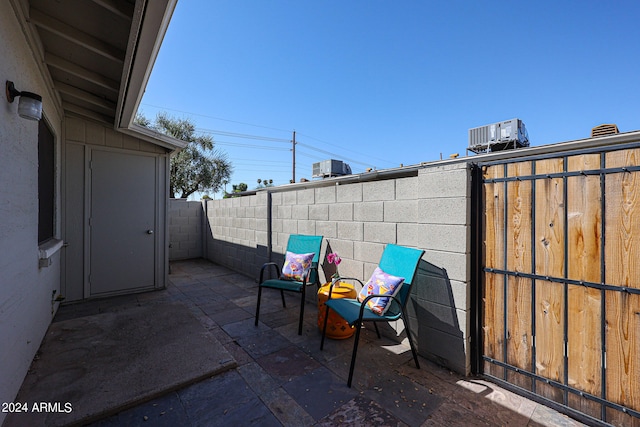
46, 182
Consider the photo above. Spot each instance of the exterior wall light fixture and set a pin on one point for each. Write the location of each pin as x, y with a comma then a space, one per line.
30, 106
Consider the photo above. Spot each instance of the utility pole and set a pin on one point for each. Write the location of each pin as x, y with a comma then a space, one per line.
293, 162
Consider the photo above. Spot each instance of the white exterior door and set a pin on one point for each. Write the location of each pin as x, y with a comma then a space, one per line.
123, 221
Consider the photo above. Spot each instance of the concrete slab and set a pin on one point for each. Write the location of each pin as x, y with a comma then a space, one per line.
103, 350
225, 400
166, 411
258, 345
288, 363
360, 412
160, 347
319, 392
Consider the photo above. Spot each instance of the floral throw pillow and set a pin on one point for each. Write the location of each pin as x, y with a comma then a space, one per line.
296, 266
380, 283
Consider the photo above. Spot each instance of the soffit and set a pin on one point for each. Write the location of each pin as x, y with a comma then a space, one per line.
98, 54
84, 47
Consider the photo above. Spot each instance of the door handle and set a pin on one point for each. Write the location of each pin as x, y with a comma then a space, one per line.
149, 231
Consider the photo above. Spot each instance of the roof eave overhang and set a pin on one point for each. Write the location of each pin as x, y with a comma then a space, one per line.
154, 137
149, 25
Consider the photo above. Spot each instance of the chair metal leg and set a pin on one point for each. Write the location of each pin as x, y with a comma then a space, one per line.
413, 348
282, 295
324, 327
358, 326
375, 325
258, 305
301, 314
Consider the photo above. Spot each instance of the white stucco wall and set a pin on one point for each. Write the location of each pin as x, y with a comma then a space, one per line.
25, 288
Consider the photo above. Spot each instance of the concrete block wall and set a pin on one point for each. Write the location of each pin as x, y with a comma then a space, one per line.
430, 211
186, 233
237, 232
442, 305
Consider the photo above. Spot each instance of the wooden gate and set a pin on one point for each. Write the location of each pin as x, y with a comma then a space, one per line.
561, 280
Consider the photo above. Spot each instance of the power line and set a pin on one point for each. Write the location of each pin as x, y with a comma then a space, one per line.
264, 161
245, 164
243, 135
272, 139
257, 170
311, 156
260, 147
216, 118
342, 147
333, 154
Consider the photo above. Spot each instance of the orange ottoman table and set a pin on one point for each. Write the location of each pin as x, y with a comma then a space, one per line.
337, 327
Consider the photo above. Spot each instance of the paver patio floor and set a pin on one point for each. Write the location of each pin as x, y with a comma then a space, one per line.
282, 378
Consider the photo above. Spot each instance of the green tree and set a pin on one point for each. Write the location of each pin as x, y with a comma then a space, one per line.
198, 166
262, 183
237, 188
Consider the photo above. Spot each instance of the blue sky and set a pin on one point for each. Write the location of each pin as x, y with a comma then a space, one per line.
382, 83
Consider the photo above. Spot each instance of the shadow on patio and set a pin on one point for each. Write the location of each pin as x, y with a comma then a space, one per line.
191, 355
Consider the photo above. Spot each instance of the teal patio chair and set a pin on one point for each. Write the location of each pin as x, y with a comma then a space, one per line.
397, 261
297, 244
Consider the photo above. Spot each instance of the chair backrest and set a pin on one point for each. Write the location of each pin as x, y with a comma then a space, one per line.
304, 244
403, 262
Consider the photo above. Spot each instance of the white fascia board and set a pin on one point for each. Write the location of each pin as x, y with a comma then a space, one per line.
154, 137
149, 25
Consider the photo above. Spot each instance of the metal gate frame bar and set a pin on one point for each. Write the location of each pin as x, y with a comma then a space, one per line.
478, 272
